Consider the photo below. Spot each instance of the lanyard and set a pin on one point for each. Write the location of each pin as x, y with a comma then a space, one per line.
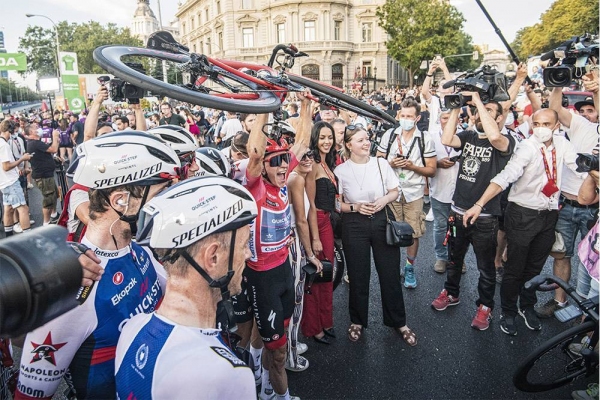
553, 176
447, 148
400, 145
331, 177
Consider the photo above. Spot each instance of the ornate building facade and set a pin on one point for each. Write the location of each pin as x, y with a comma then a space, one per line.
144, 22
342, 37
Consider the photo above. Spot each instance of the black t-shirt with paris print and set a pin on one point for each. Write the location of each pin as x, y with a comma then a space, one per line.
479, 163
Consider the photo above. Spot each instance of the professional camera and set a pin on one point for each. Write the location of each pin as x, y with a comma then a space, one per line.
40, 276
587, 162
570, 60
124, 91
488, 82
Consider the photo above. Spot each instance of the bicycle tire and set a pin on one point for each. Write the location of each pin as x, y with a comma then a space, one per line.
351, 103
535, 373
109, 58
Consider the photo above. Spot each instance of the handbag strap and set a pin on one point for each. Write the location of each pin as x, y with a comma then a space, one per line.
383, 186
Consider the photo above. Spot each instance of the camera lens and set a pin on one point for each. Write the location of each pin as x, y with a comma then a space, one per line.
39, 279
560, 76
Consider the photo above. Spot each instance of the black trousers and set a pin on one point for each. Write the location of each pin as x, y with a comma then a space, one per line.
530, 236
360, 235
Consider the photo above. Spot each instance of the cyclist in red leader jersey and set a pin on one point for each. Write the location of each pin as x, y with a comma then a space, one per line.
268, 276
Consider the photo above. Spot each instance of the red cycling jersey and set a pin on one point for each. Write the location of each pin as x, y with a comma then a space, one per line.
271, 229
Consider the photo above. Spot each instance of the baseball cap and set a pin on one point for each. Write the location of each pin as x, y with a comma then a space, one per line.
589, 101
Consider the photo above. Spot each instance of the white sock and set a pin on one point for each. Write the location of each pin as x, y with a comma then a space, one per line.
285, 396
256, 357
54, 214
266, 389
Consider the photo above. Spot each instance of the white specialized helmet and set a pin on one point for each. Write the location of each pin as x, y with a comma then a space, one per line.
286, 128
193, 209
123, 158
212, 162
180, 139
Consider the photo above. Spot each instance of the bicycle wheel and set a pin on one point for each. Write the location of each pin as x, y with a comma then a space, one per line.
239, 95
342, 100
554, 364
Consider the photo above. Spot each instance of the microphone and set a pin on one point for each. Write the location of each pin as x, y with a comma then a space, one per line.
448, 84
547, 56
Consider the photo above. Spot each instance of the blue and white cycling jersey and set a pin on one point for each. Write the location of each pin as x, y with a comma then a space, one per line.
159, 359
84, 339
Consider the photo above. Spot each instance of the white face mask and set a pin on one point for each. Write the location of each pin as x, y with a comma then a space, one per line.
542, 134
407, 124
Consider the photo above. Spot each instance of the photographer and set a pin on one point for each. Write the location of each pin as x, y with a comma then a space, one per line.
91, 127
435, 103
169, 118
485, 152
573, 217
536, 171
203, 270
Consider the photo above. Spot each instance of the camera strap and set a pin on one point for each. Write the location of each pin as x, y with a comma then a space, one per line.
553, 176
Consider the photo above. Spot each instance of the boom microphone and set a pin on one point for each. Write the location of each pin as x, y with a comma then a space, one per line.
448, 84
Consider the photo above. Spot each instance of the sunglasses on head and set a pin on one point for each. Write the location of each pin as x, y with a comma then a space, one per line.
309, 155
277, 160
353, 128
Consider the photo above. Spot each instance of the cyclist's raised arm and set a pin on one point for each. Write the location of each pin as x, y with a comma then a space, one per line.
257, 142
305, 126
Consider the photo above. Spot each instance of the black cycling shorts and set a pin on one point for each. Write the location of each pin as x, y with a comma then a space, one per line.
241, 305
271, 294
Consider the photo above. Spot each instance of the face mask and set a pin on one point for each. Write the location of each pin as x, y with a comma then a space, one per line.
542, 134
407, 124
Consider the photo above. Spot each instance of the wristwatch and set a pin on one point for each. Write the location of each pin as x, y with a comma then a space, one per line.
352, 208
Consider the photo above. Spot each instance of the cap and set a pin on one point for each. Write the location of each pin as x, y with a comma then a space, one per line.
589, 101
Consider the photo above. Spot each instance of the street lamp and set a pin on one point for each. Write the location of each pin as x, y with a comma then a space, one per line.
57, 44
375, 79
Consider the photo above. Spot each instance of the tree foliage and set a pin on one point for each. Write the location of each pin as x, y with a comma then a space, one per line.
418, 30
564, 19
8, 87
40, 46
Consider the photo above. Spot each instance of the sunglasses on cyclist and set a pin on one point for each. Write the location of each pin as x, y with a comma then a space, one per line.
277, 160
186, 158
309, 155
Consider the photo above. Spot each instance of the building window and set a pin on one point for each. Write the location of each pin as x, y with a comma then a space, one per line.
183, 28
208, 47
207, 15
311, 71
248, 37
309, 31
200, 19
337, 30
201, 46
218, 7
367, 32
337, 75
192, 23
246, 4
220, 37
280, 33
194, 47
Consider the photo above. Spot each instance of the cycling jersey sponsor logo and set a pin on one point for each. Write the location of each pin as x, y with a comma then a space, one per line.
116, 299
125, 159
226, 215
227, 355
107, 254
271, 203
141, 356
275, 227
271, 319
283, 194
124, 179
148, 302
118, 278
46, 350
38, 394
83, 293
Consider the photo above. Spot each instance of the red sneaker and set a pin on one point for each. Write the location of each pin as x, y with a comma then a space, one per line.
444, 300
482, 318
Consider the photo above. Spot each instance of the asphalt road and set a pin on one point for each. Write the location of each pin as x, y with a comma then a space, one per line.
451, 360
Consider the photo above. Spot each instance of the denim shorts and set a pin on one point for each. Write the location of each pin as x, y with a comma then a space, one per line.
13, 195
571, 221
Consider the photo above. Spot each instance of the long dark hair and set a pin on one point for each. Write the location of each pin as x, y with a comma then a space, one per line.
314, 143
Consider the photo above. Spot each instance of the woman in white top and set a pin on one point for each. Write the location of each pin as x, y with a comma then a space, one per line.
367, 185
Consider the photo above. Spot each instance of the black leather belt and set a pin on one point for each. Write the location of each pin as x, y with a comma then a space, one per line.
575, 204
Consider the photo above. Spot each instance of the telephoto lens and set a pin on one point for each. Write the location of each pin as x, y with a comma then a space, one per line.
40, 276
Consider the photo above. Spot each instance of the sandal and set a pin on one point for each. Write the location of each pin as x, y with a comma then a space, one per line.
408, 336
354, 332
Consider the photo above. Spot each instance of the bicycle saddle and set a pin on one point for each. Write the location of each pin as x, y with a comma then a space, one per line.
163, 40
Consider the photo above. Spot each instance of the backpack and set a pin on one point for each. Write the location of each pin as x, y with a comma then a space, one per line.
418, 139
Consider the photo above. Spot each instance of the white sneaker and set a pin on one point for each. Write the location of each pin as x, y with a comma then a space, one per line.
301, 365
429, 216
17, 228
301, 348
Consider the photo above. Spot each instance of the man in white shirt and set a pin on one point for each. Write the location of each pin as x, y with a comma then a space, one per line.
441, 190
13, 197
573, 217
435, 103
536, 172
411, 154
231, 126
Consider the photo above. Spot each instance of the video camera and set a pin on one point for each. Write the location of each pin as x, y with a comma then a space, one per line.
487, 81
587, 162
119, 90
570, 60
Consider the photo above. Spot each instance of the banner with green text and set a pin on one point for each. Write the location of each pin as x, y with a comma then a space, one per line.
13, 62
69, 72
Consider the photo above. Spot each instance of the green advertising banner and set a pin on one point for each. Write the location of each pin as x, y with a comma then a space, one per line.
13, 62
70, 79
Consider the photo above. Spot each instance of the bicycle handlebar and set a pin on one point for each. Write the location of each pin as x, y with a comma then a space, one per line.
288, 49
